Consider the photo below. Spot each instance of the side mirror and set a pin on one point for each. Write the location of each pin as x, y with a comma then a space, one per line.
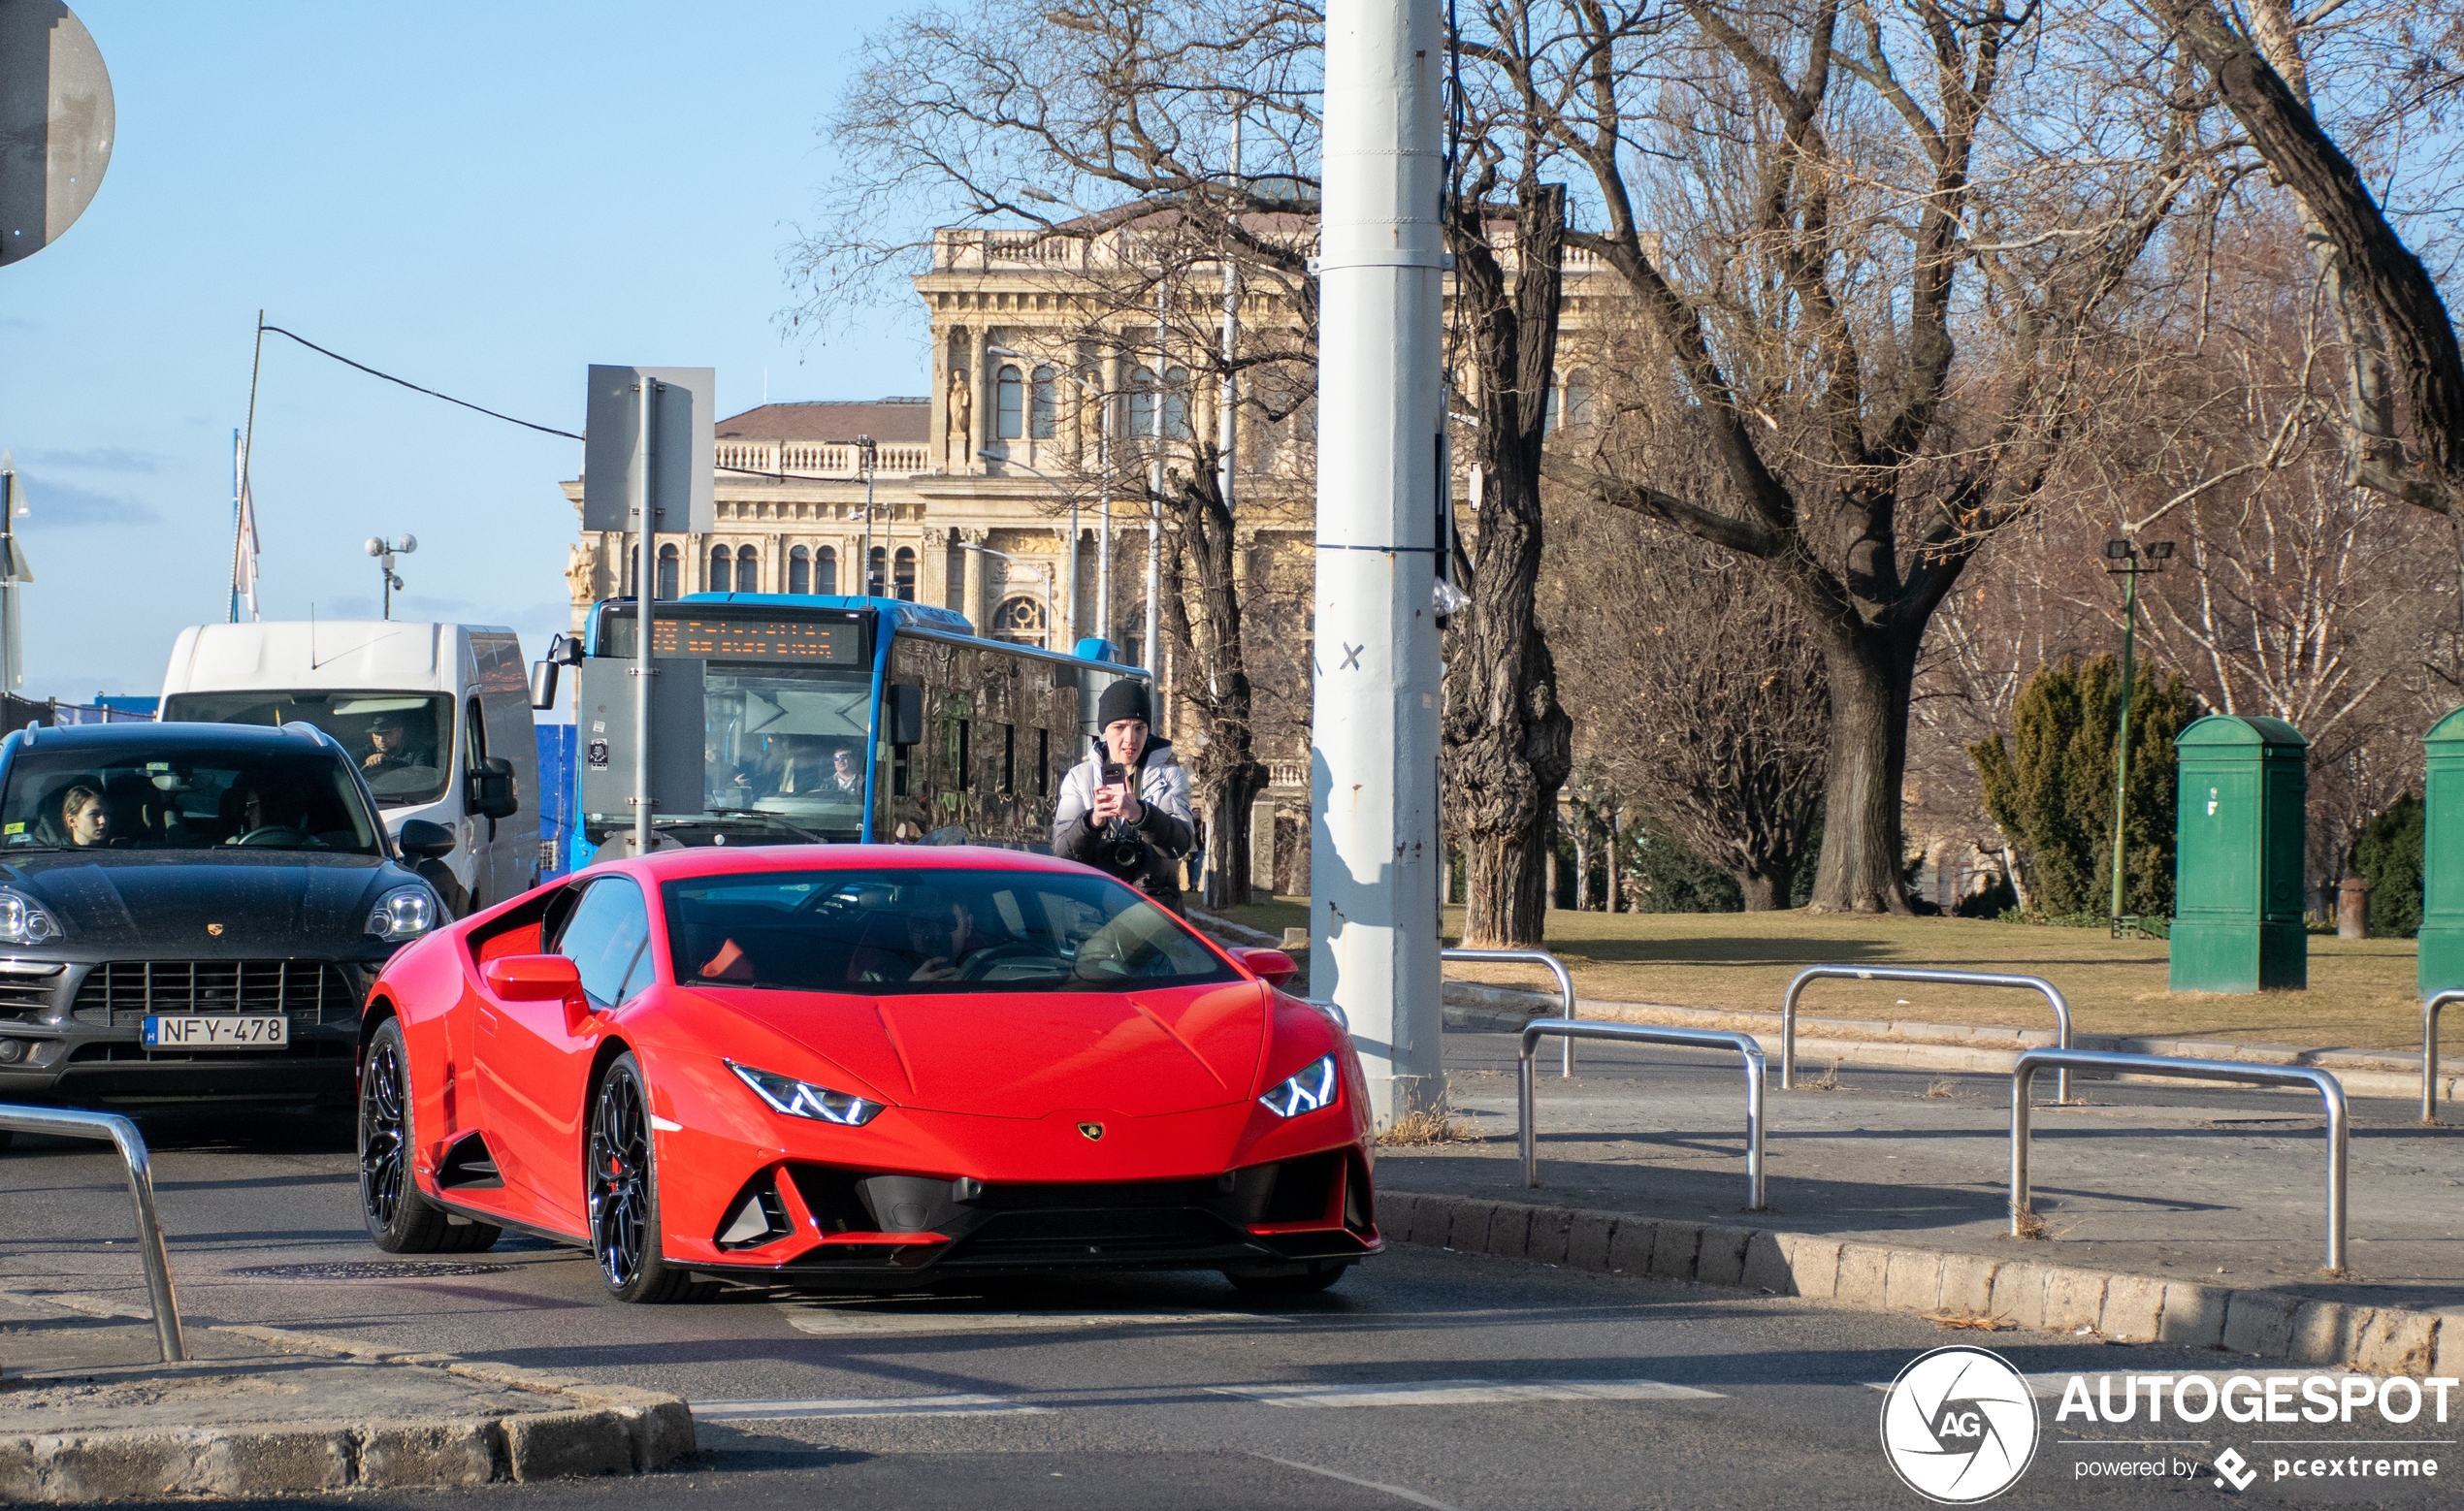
542, 683
492, 795
1272, 966
902, 713
533, 977
425, 840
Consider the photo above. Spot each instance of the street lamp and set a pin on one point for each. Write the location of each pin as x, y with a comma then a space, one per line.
1046, 567
2130, 571
867, 451
1104, 499
384, 550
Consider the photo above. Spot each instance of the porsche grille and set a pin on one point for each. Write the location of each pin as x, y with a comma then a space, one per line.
117, 994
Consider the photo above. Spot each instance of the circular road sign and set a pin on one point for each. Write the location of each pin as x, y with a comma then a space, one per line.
56, 124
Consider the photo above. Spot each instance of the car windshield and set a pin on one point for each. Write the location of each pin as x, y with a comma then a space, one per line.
402, 742
164, 795
903, 932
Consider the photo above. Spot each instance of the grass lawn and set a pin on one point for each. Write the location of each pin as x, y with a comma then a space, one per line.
2361, 992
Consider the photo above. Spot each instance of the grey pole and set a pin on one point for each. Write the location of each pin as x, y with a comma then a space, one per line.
1374, 726
1154, 493
1104, 510
646, 592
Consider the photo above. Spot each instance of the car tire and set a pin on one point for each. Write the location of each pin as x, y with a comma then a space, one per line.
399, 1217
8, 1137
624, 1195
1307, 1279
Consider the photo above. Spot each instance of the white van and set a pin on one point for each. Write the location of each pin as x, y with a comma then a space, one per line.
438, 717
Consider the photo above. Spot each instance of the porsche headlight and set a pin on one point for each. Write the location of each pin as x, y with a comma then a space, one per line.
804, 1099
403, 913
1313, 1088
24, 921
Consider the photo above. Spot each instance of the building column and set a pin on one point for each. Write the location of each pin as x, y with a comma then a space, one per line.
971, 596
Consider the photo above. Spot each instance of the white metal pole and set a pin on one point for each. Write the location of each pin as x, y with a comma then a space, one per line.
1104, 507
645, 594
1374, 851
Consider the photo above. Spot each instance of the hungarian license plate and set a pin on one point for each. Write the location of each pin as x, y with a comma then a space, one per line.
221, 1032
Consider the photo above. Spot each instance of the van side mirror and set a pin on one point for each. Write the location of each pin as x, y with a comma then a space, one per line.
902, 713
492, 795
425, 840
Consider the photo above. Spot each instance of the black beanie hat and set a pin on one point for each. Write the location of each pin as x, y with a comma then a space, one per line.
1123, 699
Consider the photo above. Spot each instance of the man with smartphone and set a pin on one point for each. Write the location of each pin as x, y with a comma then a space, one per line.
1125, 807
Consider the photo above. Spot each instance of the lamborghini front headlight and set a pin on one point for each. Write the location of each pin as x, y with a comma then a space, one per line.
1313, 1088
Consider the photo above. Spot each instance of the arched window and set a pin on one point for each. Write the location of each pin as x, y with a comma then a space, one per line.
800, 570
1019, 618
1010, 400
873, 580
1176, 404
826, 574
748, 570
1575, 408
722, 569
1142, 402
670, 565
907, 574
1039, 419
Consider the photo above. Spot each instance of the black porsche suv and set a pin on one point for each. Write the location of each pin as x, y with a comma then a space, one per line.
192, 909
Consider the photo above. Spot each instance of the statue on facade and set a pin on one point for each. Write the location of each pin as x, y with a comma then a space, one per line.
962, 428
582, 573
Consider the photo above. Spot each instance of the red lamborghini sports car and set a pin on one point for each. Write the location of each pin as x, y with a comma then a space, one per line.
851, 1066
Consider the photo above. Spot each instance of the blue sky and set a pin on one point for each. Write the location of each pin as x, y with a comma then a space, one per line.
481, 198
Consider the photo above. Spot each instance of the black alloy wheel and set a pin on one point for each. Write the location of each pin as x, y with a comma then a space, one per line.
624, 1195
401, 1219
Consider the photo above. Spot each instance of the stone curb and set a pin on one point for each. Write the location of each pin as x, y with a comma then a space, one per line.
2027, 1293
1987, 1049
599, 1430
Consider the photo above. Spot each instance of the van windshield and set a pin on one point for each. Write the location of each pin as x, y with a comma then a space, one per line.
402, 742
169, 796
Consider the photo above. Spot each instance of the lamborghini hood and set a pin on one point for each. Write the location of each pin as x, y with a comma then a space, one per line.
1031, 1054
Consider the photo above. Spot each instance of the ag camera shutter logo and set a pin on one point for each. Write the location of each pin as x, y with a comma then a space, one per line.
1960, 1426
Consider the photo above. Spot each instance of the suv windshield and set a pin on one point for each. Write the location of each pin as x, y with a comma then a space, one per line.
402, 742
890, 933
164, 796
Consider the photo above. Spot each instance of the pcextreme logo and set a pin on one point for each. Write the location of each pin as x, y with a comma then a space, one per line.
1960, 1426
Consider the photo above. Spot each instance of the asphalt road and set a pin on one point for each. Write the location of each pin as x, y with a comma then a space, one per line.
1427, 1378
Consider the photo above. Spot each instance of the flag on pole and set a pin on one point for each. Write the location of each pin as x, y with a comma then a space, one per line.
244, 550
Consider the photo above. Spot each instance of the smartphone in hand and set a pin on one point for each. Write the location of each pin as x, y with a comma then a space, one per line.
1115, 774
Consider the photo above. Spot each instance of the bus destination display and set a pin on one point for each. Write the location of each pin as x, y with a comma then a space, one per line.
756, 640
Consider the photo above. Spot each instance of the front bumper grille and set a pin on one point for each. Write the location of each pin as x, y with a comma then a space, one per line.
118, 993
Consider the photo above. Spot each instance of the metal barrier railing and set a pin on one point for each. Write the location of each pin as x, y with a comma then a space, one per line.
141, 1187
2430, 1050
2330, 1091
1876, 973
1526, 1083
1556, 968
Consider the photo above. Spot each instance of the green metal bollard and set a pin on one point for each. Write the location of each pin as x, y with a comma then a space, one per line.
2441, 962
2239, 862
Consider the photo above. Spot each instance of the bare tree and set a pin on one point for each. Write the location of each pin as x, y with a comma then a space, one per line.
1866, 245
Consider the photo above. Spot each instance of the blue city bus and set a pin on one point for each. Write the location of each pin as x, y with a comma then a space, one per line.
794, 719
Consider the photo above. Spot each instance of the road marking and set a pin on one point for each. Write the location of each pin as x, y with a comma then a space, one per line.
1463, 1393
859, 1406
2051, 1385
825, 1321
1412, 1496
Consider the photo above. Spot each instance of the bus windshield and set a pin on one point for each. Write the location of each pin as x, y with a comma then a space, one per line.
790, 741
402, 742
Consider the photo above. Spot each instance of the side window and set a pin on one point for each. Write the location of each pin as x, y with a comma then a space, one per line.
475, 729
606, 938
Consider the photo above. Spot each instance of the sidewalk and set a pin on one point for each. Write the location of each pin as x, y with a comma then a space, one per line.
88, 1412
2213, 1186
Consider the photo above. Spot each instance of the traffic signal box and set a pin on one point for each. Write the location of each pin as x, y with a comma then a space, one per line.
2441, 963
2239, 860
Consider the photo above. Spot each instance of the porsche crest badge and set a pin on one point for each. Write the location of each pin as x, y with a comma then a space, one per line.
1094, 1131
213, 928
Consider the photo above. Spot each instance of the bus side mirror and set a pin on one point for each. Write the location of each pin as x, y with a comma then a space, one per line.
492, 795
902, 713
542, 683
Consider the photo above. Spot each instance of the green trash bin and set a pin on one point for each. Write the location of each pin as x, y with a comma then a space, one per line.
2442, 962
2239, 861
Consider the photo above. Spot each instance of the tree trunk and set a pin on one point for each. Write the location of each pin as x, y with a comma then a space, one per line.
1228, 851
1582, 861
1871, 672
1508, 745
1767, 890
1616, 847
1201, 606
